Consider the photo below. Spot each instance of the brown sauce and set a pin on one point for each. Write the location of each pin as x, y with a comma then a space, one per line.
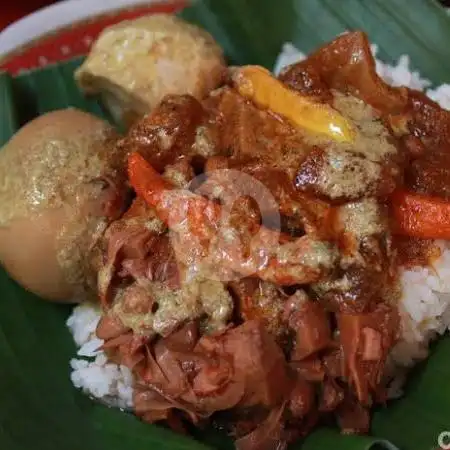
416, 252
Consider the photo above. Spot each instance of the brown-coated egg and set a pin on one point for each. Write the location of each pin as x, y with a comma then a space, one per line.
61, 183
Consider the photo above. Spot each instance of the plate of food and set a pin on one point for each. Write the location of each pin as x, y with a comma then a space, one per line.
216, 236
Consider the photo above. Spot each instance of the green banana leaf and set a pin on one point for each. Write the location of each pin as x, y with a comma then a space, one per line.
8, 123
39, 408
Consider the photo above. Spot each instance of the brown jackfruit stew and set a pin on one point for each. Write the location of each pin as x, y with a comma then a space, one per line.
275, 311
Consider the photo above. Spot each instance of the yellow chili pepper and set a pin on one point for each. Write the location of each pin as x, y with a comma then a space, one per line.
258, 85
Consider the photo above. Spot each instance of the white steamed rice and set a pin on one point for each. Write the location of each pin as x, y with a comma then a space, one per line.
91, 372
424, 304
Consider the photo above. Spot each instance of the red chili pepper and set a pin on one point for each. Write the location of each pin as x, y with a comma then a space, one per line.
146, 181
199, 212
421, 216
